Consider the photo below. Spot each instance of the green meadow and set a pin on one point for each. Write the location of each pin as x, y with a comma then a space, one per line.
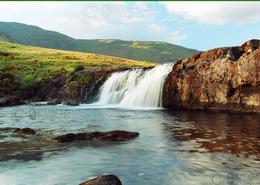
30, 63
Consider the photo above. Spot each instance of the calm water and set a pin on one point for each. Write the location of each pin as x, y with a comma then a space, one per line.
174, 148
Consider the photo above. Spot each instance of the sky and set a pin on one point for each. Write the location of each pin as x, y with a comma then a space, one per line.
197, 25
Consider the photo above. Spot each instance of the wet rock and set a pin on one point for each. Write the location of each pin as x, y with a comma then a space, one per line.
218, 79
117, 135
10, 100
24, 131
70, 88
103, 180
71, 102
54, 102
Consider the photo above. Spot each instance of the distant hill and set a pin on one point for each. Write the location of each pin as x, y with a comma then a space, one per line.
160, 52
3, 38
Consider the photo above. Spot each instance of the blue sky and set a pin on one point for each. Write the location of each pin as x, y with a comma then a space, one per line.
198, 25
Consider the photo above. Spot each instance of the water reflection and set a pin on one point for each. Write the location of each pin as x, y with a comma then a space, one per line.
217, 132
174, 147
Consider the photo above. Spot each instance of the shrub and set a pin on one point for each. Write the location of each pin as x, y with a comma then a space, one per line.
28, 82
78, 67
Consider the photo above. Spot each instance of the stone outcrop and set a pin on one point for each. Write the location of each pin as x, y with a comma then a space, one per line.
103, 180
116, 135
218, 79
54, 102
64, 87
11, 100
72, 89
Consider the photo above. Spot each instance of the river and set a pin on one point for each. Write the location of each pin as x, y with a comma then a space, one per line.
174, 147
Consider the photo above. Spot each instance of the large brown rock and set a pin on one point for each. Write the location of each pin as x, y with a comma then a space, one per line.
220, 79
116, 135
103, 180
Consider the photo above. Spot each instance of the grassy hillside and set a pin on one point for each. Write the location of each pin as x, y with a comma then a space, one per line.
29, 63
35, 36
3, 38
160, 52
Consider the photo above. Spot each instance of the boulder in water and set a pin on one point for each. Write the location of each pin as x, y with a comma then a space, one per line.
103, 180
116, 135
24, 131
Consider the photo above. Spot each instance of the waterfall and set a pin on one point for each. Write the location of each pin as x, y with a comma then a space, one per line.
136, 87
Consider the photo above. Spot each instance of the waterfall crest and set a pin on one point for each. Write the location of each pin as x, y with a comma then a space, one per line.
135, 87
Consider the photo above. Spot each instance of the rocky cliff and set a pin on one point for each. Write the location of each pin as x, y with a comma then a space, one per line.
219, 79
69, 88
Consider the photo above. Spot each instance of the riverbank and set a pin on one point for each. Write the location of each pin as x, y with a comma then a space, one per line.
225, 79
30, 74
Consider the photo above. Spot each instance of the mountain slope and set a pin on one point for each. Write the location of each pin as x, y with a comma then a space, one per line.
160, 52
3, 38
35, 36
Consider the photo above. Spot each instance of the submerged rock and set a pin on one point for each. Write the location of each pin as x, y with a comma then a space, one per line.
24, 131
103, 180
219, 79
117, 135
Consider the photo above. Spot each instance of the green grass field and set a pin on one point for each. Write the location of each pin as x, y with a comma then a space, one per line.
29, 63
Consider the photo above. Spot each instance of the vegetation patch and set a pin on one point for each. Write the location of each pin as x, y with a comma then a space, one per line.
30, 64
28, 82
78, 67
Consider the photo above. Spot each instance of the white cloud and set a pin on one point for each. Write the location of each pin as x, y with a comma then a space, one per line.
119, 20
165, 34
216, 12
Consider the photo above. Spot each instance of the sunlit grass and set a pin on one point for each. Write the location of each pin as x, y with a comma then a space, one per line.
36, 62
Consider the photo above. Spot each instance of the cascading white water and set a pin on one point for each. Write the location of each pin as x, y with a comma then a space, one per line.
135, 87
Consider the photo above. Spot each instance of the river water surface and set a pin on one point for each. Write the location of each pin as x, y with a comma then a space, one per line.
174, 147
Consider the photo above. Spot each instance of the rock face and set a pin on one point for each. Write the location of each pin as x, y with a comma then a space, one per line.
103, 180
219, 79
70, 88
117, 135
10, 100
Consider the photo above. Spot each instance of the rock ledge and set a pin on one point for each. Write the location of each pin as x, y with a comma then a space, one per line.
218, 79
